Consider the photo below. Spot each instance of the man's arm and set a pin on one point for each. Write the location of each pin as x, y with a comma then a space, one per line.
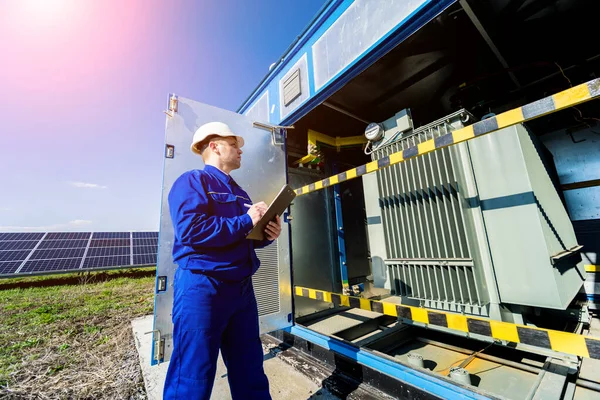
188, 205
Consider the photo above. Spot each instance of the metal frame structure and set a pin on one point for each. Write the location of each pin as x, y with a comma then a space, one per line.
303, 59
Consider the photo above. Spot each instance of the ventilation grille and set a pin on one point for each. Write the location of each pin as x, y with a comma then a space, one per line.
431, 280
291, 88
266, 280
420, 202
424, 224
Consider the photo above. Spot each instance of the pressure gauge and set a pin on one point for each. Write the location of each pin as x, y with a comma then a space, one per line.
374, 132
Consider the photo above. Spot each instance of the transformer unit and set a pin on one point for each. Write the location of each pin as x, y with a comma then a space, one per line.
476, 227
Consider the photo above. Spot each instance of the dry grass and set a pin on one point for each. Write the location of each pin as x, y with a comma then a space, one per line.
70, 337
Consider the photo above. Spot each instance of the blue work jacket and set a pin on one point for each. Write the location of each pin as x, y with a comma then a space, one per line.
210, 224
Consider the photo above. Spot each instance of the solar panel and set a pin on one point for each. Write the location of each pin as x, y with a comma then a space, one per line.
140, 235
64, 251
68, 235
111, 235
108, 251
113, 261
62, 244
110, 243
145, 249
64, 264
56, 253
18, 245
9, 267
144, 259
145, 242
14, 255
21, 236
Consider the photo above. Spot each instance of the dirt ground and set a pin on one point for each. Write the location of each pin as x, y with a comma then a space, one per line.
69, 336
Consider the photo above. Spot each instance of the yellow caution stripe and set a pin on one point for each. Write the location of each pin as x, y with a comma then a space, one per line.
564, 342
592, 268
568, 98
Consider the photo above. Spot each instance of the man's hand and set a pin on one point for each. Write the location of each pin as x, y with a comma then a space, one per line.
273, 229
256, 211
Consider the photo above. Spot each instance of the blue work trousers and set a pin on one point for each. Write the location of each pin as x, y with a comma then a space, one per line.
209, 315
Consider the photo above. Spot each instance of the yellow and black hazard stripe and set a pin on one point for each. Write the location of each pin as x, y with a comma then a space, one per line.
564, 342
559, 101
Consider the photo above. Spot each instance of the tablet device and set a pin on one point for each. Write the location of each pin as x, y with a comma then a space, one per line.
277, 207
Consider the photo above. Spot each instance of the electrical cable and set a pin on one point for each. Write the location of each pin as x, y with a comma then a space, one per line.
382, 144
582, 118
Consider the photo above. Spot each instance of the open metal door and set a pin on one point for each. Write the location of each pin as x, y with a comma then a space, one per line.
262, 174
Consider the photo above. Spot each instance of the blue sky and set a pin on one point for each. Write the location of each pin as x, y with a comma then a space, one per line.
84, 84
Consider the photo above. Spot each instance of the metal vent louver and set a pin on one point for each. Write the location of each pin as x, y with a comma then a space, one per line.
292, 88
266, 280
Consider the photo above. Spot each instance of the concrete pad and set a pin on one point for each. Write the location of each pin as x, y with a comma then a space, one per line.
154, 376
285, 381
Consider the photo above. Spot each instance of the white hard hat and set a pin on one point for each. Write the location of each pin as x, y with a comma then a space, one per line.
213, 128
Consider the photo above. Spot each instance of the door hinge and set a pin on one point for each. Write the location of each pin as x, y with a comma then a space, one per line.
161, 284
287, 217
173, 102
169, 151
278, 132
159, 345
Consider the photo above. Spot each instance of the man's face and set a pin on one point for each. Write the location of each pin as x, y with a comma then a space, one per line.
229, 152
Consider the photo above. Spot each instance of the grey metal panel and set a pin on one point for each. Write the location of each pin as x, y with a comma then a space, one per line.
262, 175
558, 228
485, 281
376, 236
313, 243
525, 221
450, 186
556, 225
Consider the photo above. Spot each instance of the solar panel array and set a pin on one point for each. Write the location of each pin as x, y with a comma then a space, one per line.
54, 252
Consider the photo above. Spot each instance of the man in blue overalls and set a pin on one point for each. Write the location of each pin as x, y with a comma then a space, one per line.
214, 305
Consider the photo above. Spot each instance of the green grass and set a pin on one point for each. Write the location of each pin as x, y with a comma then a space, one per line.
69, 336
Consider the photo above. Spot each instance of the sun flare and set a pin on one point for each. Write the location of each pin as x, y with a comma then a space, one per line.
47, 11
